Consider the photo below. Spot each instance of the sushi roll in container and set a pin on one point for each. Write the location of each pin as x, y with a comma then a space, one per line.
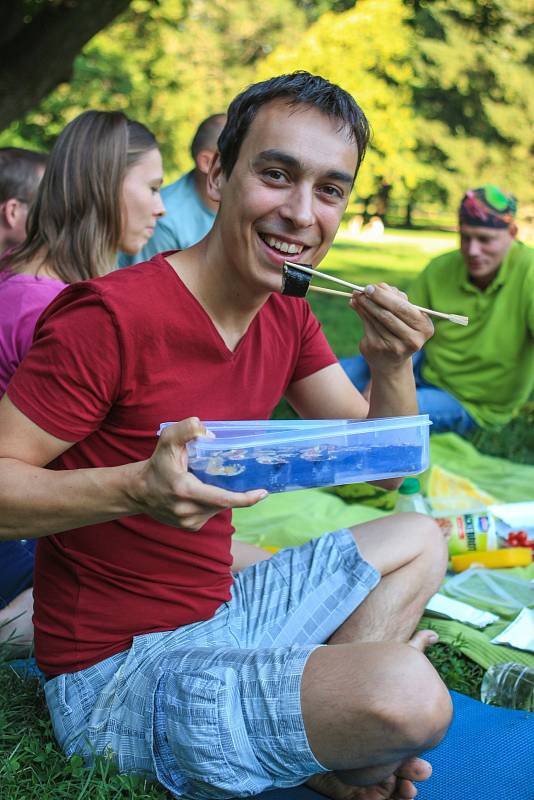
283, 455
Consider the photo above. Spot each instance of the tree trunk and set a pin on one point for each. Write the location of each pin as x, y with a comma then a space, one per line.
38, 55
408, 219
382, 200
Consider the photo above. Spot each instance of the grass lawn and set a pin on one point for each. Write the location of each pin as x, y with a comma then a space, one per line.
31, 766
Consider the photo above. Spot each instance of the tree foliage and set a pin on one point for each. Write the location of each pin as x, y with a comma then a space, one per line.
169, 64
445, 83
39, 40
472, 93
371, 60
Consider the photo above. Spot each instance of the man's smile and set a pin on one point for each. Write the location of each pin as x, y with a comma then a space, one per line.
283, 245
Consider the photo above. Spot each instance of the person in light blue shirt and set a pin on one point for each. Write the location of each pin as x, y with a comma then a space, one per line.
189, 211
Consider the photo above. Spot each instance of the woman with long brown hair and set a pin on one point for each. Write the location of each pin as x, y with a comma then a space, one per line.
99, 194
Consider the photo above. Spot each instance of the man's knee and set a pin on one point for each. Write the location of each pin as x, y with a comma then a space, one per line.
380, 703
393, 542
429, 537
419, 711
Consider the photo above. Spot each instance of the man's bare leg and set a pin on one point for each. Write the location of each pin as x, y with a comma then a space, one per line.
244, 555
16, 626
410, 553
362, 706
368, 710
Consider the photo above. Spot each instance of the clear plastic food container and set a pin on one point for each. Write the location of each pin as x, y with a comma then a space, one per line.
284, 455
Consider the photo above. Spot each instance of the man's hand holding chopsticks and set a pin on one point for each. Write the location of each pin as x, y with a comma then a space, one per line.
393, 328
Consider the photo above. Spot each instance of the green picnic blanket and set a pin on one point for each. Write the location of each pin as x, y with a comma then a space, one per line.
476, 644
507, 481
292, 518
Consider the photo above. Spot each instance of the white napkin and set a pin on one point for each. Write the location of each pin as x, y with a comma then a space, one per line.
463, 612
520, 632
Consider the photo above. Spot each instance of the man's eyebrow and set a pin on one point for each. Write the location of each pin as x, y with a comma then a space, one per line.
277, 155
290, 161
342, 177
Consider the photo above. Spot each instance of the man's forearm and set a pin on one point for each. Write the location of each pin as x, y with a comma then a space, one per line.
393, 393
36, 502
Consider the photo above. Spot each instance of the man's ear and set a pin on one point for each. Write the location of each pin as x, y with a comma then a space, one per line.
10, 211
215, 179
512, 230
203, 160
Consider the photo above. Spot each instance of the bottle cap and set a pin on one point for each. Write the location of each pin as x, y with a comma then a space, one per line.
409, 486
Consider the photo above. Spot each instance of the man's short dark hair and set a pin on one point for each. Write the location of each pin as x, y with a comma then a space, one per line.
297, 88
207, 134
19, 173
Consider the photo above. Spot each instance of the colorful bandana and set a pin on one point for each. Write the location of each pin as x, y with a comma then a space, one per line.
487, 207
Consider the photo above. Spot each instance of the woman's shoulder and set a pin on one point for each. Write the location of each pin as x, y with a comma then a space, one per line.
30, 286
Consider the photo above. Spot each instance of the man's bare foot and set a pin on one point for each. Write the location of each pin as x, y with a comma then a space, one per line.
423, 639
398, 786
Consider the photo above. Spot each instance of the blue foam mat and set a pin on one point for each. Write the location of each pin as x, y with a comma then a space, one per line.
25, 667
487, 754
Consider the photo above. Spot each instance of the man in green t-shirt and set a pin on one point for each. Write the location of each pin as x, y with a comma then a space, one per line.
479, 374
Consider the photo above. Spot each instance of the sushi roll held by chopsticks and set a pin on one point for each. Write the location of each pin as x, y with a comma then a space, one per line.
296, 281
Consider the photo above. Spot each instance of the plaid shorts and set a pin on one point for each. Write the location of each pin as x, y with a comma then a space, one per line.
212, 709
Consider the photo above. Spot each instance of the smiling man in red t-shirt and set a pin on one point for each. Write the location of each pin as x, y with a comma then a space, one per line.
218, 686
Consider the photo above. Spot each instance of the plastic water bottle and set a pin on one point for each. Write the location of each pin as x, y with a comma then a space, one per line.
410, 497
509, 685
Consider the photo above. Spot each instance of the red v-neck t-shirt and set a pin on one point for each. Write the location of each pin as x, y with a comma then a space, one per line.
113, 358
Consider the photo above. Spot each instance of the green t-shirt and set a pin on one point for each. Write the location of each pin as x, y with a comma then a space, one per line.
488, 365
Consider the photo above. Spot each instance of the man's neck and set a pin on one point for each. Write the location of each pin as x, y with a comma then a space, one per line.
230, 307
483, 283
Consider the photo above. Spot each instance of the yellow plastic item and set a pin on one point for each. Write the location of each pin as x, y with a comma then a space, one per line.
493, 559
448, 491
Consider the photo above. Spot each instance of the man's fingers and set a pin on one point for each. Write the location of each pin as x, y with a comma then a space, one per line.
383, 328
393, 301
172, 494
190, 488
394, 289
193, 516
184, 431
401, 319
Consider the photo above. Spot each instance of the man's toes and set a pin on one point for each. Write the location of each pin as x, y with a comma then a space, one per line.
423, 639
405, 789
329, 785
414, 769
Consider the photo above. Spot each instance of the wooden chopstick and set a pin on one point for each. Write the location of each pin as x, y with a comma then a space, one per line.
457, 318
329, 291
311, 271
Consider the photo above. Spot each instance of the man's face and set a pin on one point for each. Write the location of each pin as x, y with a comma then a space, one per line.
14, 213
286, 194
483, 250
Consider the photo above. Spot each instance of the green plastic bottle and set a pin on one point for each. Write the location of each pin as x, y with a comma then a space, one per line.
410, 497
